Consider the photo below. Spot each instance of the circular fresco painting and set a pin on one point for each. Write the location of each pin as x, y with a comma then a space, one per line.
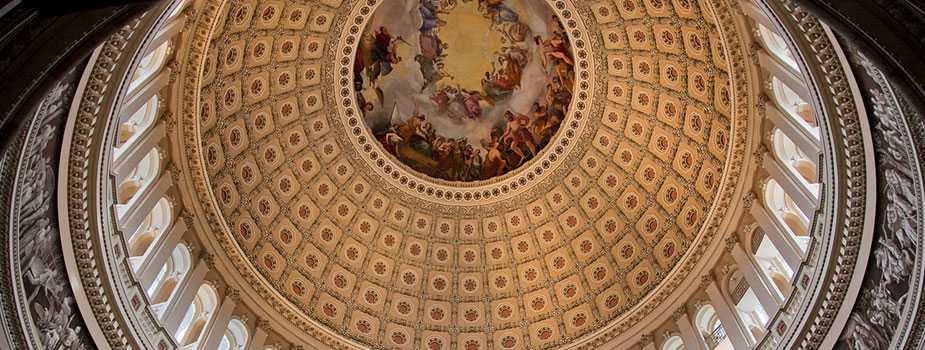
464, 90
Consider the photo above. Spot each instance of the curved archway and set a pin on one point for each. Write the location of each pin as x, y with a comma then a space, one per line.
235, 337
796, 108
673, 343
140, 177
786, 212
197, 316
136, 125
796, 161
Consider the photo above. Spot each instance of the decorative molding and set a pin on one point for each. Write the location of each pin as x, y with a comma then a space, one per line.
116, 305
839, 229
680, 312
749, 199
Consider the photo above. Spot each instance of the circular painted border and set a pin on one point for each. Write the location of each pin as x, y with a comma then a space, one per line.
503, 187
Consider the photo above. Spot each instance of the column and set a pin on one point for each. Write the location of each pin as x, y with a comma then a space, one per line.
170, 30
185, 295
792, 185
216, 327
149, 269
259, 338
788, 75
145, 92
782, 239
693, 339
130, 157
766, 296
752, 11
132, 214
805, 141
785, 74
727, 315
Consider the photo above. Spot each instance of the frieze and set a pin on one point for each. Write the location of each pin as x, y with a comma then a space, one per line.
884, 315
46, 308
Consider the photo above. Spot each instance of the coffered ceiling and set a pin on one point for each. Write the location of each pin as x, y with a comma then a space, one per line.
577, 239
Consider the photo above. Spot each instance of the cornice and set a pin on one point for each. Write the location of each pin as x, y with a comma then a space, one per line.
112, 302
827, 283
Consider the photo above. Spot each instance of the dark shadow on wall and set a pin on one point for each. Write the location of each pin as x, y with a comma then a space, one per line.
41, 40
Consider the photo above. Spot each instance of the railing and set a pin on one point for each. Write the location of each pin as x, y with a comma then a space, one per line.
718, 335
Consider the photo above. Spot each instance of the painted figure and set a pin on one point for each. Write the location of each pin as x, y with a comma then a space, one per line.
494, 163
429, 16
517, 134
377, 54
464, 129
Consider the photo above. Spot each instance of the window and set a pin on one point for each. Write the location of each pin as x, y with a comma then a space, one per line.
710, 326
787, 213
777, 46
673, 343
150, 232
794, 106
178, 9
169, 278
136, 125
197, 316
752, 314
797, 162
139, 178
771, 263
235, 336
149, 66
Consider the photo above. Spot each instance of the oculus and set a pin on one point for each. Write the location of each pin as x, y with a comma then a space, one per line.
464, 90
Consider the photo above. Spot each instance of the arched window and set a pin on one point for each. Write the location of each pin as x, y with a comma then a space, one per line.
132, 129
747, 307
149, 66
140, 177
151, 231
796, 161
772, 264
197, 316
787, 213
235, 337
777, 46
174, 270
794, 106
673, 343
712, 329
752, 314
